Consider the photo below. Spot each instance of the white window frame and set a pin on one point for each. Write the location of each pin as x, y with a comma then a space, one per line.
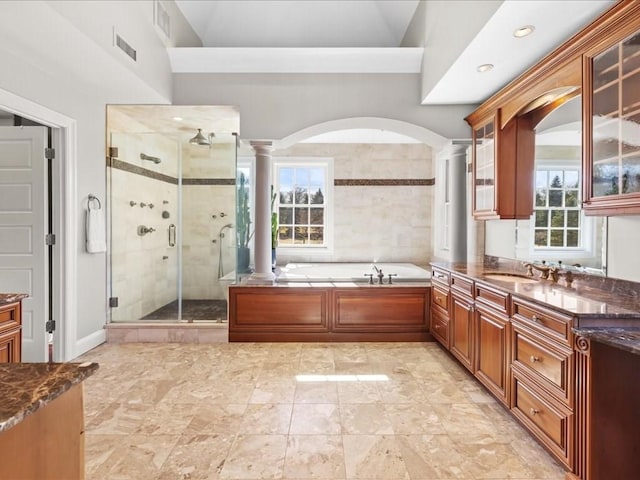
586, 229
318, 162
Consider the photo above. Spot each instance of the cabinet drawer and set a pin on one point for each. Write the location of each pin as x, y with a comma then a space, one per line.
492, 298
549, 365
552, 324
9, 316
462, 284
549, 423
440, 276
440, 297
440, 328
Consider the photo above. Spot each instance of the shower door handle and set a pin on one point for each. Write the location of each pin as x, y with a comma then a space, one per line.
172, 235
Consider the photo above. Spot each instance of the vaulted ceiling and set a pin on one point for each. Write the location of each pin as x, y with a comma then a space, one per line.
454, 37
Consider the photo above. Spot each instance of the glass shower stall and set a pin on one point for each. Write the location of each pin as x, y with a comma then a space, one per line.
172, 205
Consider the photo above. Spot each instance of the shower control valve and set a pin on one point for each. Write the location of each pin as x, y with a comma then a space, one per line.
143, 230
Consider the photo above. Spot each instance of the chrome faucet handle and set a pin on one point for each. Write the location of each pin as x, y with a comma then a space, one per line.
568, 278
529, 268
370, 275
391, 275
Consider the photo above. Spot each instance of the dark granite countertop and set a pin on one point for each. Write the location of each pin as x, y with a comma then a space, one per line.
582, 301
25, 388
6, 298
623, 338
601, 311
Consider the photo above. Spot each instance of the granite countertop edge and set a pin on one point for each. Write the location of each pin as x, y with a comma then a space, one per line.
25, 388
623, 338
7, 298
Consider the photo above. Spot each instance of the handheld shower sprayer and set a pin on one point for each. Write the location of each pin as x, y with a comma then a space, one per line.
155, 160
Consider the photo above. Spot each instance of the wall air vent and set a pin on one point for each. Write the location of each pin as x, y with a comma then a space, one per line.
125, 47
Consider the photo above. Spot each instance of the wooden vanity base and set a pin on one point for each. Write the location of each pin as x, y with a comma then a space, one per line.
49, 444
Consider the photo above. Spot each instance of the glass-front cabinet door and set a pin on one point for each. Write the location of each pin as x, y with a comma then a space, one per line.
612, 120
484, 170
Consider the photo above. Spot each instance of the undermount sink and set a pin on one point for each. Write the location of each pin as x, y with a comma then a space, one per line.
510, 277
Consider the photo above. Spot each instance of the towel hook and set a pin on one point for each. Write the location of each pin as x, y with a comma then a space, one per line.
93, 198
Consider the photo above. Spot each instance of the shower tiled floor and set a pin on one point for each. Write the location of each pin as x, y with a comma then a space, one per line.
196, 310
298, 411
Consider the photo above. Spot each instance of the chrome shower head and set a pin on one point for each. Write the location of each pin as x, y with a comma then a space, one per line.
200, 139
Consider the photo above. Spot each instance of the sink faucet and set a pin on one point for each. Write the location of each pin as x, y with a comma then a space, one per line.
545, 270
380, 276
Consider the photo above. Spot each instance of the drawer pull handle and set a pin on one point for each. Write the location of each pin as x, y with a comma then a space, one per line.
534, 359
533, 411
535, 318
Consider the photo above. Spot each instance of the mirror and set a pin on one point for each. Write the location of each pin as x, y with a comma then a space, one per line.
558, 231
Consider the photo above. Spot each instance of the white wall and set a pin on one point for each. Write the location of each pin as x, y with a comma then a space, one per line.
51, 61
274, 106
623, 253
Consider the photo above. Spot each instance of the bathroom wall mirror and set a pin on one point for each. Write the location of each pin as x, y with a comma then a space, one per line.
558, 229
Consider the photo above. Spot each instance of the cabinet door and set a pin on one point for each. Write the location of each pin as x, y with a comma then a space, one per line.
492, 352
484, 170
10, 346
612, 120
462, 338
439, 328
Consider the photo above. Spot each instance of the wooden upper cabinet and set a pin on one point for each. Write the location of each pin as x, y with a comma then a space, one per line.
602, 62
612, 119
502, 165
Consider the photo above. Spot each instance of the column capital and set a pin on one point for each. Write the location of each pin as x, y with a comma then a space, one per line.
262, 146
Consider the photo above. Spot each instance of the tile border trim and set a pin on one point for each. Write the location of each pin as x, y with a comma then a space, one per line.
383, 182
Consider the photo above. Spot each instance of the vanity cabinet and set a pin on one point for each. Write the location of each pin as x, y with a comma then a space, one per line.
439, 323
492, 341
612, 120
10, 332
461, 319
543, 376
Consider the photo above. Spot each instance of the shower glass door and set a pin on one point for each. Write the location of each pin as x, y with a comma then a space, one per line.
144, 209
171, 226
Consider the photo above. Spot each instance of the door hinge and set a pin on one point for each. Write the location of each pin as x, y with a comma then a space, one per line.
50, 326
49, 153
113, 152
50, 239
113, 302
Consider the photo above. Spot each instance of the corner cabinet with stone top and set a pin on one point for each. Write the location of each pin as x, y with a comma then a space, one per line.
611, 80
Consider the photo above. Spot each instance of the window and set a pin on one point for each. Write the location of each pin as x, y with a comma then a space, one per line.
557, 215
303, 202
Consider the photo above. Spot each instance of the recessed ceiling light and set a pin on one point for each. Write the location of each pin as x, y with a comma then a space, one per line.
485, 67
178, 119
524, 31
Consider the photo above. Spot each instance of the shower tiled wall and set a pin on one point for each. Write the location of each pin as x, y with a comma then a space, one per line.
383, 202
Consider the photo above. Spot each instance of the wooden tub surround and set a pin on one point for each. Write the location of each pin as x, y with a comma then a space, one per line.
329, 312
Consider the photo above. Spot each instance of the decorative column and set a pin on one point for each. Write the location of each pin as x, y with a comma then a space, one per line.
262, 217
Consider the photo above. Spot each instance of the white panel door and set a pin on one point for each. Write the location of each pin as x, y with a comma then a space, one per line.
23, 217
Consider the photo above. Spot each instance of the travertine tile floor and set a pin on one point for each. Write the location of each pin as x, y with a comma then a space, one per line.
298, 411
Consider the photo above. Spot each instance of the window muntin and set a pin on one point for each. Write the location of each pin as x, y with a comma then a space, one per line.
557, 216
302, 203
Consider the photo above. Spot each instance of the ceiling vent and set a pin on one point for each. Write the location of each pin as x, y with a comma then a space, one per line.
125, 47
